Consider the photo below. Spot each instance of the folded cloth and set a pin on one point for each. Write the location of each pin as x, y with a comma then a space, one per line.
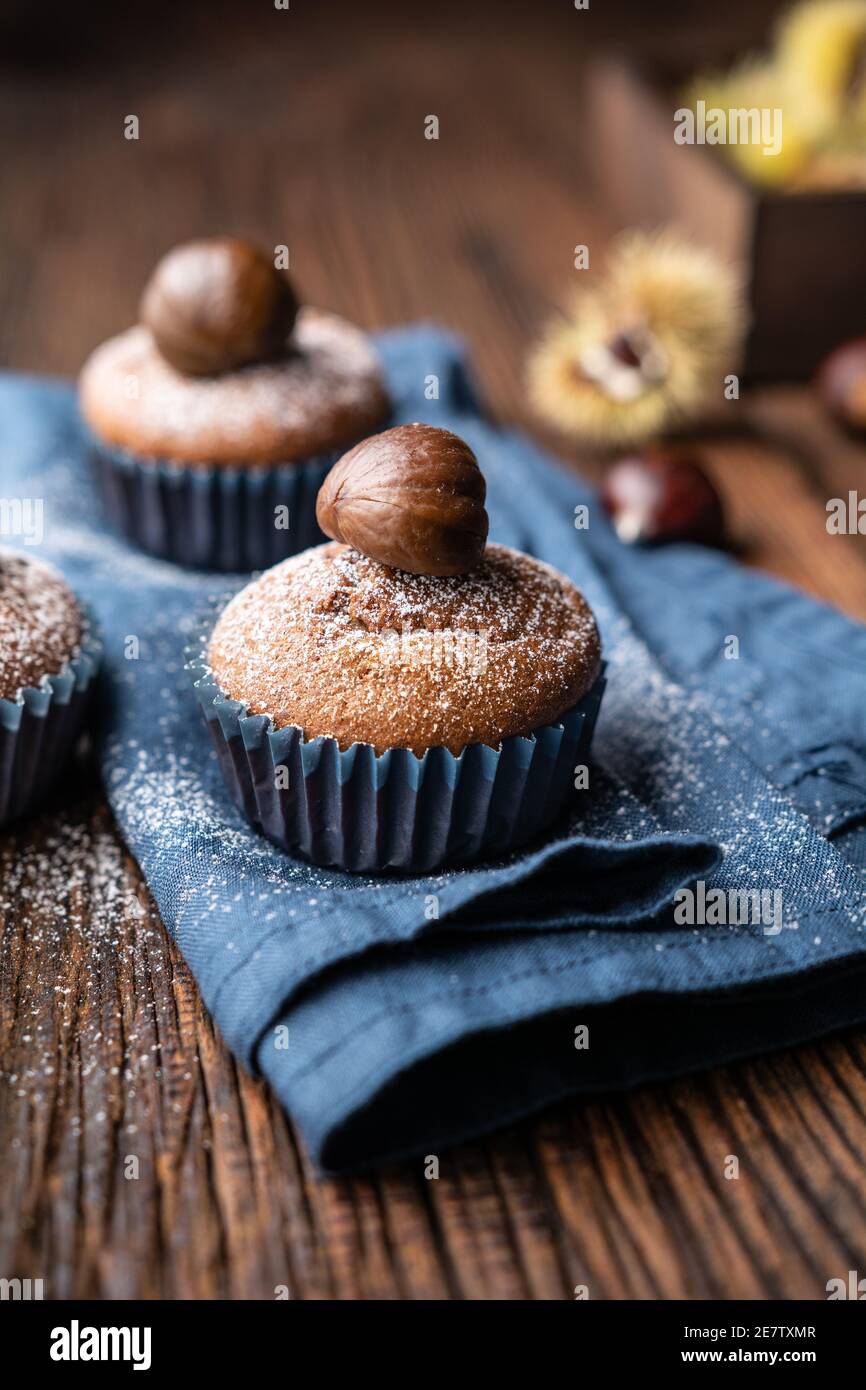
396, 1015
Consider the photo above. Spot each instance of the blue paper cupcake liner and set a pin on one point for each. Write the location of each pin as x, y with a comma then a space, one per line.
209, 517
369, 813
39, 729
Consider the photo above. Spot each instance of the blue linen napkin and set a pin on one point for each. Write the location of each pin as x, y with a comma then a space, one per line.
394, 1016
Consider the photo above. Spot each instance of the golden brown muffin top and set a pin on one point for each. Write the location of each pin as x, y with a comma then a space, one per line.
340, 645
326, 393
41, 624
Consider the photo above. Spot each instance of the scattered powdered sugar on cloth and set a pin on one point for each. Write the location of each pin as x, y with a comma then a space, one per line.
679, 755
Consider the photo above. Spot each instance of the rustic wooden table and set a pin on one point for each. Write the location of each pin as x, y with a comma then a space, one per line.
308, 129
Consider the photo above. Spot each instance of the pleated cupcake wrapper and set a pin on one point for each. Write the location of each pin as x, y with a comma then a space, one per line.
361, 812
216, 518
38, 731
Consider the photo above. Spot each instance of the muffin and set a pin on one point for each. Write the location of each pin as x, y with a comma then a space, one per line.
48, 659
372, 717
215, 420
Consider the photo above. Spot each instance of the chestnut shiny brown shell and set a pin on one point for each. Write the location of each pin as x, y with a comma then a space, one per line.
218, 304
412, 498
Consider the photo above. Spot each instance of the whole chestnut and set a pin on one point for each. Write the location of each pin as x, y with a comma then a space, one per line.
214, 305
411, 497
841, 384
659, 496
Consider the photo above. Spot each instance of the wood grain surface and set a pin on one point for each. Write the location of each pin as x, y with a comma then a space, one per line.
306, 128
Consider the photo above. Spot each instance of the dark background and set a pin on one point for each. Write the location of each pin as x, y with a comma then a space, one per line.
306, 127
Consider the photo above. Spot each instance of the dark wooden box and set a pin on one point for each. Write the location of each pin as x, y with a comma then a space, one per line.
804, 253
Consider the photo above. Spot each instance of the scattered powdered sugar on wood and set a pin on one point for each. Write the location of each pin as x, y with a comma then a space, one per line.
74, 922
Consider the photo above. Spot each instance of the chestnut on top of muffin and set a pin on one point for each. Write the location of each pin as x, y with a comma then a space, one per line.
316, 642
225, 369
412, 497
222, 410
404, 642
313, 642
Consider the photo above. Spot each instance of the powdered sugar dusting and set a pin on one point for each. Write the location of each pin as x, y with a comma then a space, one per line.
340, 645
41, 625
677, 756
323, 395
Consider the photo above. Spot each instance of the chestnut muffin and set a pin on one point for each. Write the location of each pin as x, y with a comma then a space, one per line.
48, 659
216, 418
420, 701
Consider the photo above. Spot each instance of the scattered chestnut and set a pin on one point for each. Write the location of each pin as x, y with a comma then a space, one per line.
660, 496
214, 305
411, 497
841, 384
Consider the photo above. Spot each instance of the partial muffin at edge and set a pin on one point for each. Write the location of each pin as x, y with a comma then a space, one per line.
41, 623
